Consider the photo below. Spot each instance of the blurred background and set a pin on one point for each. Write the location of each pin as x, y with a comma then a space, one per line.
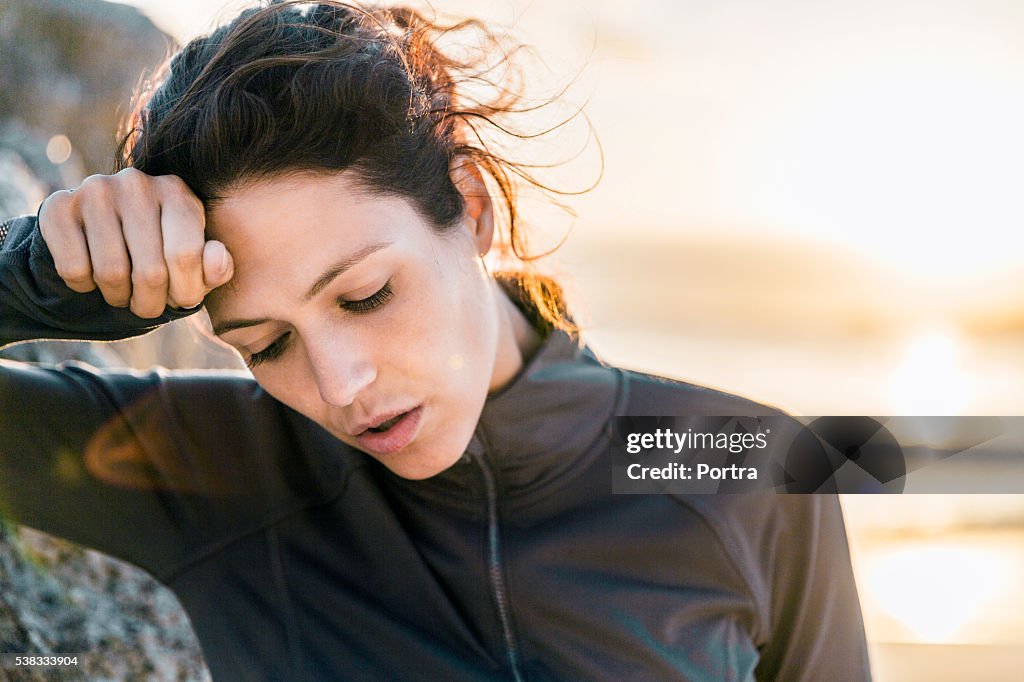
814, 204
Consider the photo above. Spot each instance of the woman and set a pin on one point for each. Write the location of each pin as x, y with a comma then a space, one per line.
418, 483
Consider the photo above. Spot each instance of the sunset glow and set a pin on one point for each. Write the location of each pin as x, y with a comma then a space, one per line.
934, 590
929, 380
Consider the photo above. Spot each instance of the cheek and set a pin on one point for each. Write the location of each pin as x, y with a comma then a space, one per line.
435, 344
282, 391
287, 383
463, 323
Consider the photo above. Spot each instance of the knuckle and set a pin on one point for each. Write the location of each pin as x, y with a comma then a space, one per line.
186, 260
111, 276
145, 310
135, 181
55, 211
172, 185
59, 201
173, 181
178, 192
95, 185
151, 276
75, 271
131, 174
115, 299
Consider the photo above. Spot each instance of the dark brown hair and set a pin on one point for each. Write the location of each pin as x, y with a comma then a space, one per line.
292, 87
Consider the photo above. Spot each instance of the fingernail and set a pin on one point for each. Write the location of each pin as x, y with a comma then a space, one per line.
224, 261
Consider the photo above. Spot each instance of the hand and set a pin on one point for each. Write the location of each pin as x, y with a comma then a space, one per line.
139, 238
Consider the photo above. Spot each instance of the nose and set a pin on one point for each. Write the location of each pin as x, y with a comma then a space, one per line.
340, 371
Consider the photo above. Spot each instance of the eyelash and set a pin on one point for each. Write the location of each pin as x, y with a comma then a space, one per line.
365, 305
376, 300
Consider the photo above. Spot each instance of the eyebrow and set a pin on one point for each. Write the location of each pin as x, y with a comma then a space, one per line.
328, 276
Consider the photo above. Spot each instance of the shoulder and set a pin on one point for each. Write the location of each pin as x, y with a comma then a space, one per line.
651, 394
777, 543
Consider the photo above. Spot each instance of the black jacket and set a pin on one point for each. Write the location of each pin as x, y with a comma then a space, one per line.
298, 558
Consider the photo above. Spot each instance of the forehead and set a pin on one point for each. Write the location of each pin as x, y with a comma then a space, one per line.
283, 232
267, 206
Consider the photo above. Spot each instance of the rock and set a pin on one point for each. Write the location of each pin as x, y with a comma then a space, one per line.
20, 190
70, 66
57, 597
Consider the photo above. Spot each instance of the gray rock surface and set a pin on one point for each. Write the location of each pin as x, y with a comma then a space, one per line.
20, 189
70, 66
60, 598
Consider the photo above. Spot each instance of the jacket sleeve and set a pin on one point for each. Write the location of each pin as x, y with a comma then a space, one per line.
151, 467
813, 625
36, 304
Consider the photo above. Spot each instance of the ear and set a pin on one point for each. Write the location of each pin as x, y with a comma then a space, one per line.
479, 214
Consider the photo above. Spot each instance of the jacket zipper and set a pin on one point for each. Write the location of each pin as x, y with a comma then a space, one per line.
498, 589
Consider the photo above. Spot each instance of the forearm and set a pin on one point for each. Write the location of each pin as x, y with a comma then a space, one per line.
35, 303
141, 465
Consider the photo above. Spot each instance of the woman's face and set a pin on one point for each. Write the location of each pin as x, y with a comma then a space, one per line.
353, 311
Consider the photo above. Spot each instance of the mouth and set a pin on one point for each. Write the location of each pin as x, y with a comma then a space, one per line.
384, 426
392, 434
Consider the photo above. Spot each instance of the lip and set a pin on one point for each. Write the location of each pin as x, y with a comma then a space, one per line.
395, 438
377, 420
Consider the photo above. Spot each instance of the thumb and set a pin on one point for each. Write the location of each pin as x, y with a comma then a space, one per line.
218, 266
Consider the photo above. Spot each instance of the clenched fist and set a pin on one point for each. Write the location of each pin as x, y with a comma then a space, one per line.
139, 238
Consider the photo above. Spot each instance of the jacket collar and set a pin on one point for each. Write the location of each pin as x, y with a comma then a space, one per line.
538, 432
557, 406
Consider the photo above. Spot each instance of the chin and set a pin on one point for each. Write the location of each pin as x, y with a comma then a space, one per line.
409, 466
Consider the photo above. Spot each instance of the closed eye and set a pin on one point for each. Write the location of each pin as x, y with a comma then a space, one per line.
271, 352
364, 305
369, 303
